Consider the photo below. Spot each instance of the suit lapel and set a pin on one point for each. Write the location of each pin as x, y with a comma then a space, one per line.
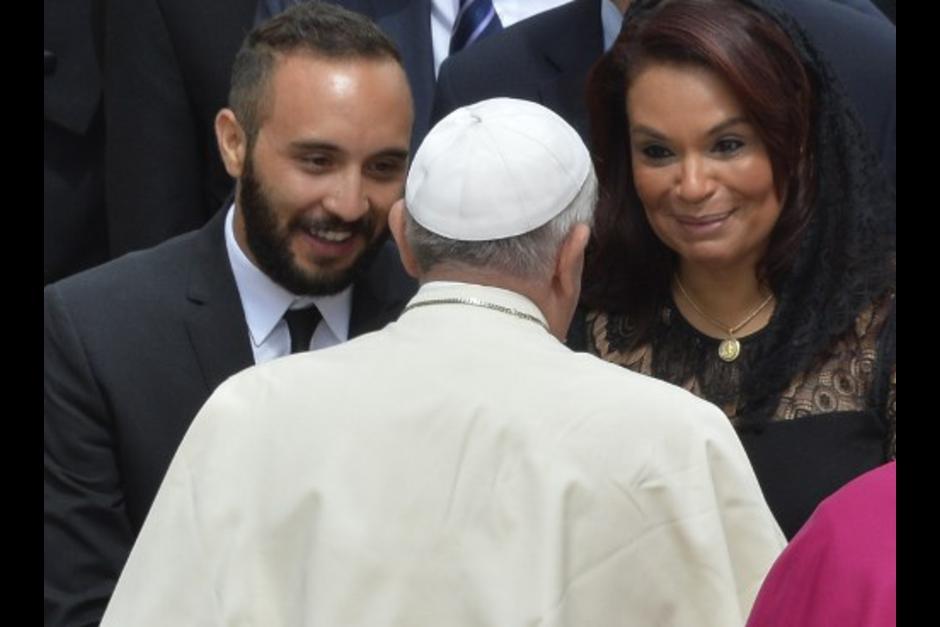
216, 322
572, 50
380, 296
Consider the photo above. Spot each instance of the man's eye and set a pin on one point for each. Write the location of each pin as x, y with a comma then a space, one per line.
316, 161
386, 168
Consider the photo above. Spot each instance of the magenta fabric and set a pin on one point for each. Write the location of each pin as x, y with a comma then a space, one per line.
840, 569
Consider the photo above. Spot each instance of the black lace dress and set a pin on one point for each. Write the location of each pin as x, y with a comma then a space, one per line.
834, 420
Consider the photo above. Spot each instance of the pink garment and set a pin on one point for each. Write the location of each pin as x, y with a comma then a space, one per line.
840, 569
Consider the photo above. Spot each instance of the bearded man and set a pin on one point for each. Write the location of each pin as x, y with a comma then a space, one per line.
316, 135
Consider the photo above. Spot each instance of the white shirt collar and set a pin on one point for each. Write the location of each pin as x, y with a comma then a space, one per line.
265, 302
611, 21
444, 13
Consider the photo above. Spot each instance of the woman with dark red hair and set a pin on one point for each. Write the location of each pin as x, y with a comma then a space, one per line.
741, 246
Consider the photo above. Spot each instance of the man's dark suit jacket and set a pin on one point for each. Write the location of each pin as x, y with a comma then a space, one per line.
169, 63
74, 229
132, 350
546, 58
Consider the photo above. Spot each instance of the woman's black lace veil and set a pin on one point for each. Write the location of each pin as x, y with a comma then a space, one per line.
845, 260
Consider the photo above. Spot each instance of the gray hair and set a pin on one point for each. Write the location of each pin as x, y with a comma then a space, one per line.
530, 255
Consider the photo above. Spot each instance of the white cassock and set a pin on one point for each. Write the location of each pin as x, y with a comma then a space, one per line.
460, 467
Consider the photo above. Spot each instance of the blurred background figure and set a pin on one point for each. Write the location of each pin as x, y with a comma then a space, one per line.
75, 233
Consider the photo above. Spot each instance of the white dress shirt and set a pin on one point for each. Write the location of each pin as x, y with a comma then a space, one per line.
611, 21
265, 302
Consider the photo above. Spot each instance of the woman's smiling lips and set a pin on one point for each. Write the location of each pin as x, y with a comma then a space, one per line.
704, 224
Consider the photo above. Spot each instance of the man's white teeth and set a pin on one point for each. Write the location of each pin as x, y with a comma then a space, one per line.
332, 236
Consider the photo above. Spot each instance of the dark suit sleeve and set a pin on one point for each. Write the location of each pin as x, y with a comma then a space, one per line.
73, 208
86, 533
445, 97
153, 156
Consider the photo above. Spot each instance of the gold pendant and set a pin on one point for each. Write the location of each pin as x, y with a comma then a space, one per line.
729, 349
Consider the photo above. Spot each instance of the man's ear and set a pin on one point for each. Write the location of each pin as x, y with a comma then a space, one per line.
396, 224
570, 262
233, 143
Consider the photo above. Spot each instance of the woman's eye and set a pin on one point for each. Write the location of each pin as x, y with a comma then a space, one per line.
728, 146
655, 151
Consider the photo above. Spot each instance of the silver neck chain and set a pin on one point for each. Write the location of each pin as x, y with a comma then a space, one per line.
474, 302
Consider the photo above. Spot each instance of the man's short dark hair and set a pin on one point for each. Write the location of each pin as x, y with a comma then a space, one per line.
316, 28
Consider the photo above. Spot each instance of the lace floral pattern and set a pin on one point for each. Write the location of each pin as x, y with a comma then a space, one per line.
842, 378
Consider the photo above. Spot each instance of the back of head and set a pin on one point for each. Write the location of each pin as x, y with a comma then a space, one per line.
315, 28
497, 186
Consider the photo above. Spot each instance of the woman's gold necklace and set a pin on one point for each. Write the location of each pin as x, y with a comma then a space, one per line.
729, 348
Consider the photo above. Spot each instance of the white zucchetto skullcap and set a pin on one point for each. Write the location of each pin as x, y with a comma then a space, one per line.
495, 169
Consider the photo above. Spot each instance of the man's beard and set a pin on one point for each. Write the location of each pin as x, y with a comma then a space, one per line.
271, 246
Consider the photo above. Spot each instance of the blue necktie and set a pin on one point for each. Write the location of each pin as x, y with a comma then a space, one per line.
475, 19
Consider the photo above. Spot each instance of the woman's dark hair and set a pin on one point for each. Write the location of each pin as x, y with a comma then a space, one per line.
629, 270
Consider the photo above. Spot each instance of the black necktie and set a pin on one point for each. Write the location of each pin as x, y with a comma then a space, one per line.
301, 324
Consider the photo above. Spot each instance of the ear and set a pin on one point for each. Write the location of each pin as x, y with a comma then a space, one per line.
396, 224
233, 143
570, 264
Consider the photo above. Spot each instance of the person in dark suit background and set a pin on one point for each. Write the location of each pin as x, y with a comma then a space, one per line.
133, 348
546, 58
74, 225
